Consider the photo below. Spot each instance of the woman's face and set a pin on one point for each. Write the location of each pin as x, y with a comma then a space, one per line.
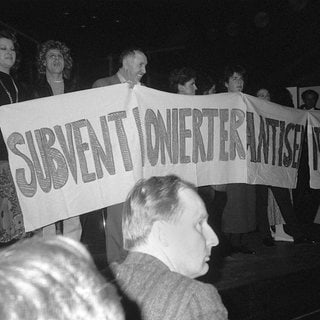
7, 54
54, 61
235, 83
188, 88
263, 94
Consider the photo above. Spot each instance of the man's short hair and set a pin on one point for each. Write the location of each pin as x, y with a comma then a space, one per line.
130, 52
54, 279
231, 69
180, 76
154, 199
310, 91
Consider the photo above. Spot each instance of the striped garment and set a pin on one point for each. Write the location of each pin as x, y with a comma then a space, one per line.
166, 295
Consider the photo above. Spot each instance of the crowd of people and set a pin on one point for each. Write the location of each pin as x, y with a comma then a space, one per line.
154, 263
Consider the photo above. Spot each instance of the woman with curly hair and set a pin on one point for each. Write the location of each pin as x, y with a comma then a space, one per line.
54, 70
54, 65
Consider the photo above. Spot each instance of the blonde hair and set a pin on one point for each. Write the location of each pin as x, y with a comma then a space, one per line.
54, 279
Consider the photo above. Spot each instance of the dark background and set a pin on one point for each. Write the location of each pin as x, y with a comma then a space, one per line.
278, 41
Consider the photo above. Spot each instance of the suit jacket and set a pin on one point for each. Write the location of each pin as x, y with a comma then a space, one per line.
113, 228
166, 295
108, 81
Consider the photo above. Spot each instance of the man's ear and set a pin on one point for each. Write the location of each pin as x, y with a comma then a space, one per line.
180, 87
126, 63
160, 232
226, 85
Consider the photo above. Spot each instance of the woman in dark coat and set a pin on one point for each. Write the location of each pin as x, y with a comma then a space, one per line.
11, 91
54, 70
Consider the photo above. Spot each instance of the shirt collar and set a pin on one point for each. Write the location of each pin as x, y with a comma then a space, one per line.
123, 79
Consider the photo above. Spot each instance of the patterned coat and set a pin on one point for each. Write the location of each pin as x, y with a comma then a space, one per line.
166, 295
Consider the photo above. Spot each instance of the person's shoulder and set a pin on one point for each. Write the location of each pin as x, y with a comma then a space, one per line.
107, 81
190, 288
196, 287
200, 300
205, 290
205, 301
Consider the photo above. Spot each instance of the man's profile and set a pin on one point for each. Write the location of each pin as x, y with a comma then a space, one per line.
169, 240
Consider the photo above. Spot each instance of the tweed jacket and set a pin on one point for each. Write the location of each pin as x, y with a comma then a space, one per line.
108, 81
166, 295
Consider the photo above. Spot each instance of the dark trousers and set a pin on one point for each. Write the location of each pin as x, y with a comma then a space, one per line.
102, 233
93, 231
305, 200
283, 199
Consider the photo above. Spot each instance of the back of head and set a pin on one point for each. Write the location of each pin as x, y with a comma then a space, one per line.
53, 279
150, 200
310, 92
281, 95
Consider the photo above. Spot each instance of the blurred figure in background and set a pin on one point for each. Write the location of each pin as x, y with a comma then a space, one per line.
54, 279
306, 200
206, 84
183, 81
310, 99
263, 94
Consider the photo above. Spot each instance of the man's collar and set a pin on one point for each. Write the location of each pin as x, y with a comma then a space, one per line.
121, 77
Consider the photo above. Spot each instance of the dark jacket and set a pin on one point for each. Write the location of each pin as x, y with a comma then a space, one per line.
42, 88
24, 93
108, 81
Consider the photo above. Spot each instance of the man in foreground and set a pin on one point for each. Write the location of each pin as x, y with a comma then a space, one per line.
165, 229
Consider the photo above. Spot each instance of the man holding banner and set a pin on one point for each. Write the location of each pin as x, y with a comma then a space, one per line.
133, 67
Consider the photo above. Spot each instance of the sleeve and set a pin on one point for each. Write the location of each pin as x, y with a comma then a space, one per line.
96, 84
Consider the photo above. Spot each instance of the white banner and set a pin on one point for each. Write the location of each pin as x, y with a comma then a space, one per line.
77, 152
314, 148
275, 147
